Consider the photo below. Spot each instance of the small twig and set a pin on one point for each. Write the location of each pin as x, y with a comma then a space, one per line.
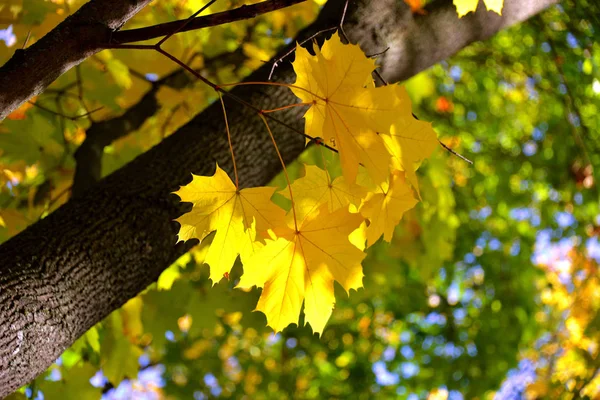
374, 55
341, 26
62, 124
79, 83
26, 39
57, 113
280, 59
168, 120
338, 27
454, 152
55, 199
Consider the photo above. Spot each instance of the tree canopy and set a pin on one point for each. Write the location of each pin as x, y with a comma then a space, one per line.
488, 287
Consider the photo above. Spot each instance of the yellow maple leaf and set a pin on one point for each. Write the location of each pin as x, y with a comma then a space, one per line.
316, 188
301, 265
464, 7
346, 111
236, 216
385, 207
410, 140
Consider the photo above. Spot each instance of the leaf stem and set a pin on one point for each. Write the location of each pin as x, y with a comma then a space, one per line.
286, 107
237, 181
287, 177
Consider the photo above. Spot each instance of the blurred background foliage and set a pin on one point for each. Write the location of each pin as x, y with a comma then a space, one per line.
490, 288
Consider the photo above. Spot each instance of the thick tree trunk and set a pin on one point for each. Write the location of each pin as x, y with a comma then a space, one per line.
67, 272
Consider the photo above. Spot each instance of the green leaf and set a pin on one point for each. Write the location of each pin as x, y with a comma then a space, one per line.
74, 385
31, 139
118, 356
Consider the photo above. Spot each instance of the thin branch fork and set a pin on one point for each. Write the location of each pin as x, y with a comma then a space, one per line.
167, 29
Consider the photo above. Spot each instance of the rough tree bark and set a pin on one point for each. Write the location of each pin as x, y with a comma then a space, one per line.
68, 271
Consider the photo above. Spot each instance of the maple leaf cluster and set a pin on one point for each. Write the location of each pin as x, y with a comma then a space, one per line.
296, 255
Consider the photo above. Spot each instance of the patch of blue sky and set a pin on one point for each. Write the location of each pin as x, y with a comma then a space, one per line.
515, 248
562, 88
592, 246
517, 380
144, 360
471, 349
546, 47
273, 339
210, 380
98, 380
435, 318
467, 296
389, 354
407, 352
455, 73
574, 120
530, 148
151, 77
198, 395
572, 41
122, 392
409, 369
406, 337
8, 37
459, 315
143, 387
494, 244
525, 214
442, 273
537, 134
475, 274
469, 258
453, 294
530, 86
480, 242
54, 375
427, 343
383, 377
152, 376
565, 219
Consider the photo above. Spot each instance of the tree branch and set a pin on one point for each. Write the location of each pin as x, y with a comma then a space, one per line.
225, 17
81, 35
91, 29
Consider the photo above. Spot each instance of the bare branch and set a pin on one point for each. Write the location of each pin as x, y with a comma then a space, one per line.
167, 29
